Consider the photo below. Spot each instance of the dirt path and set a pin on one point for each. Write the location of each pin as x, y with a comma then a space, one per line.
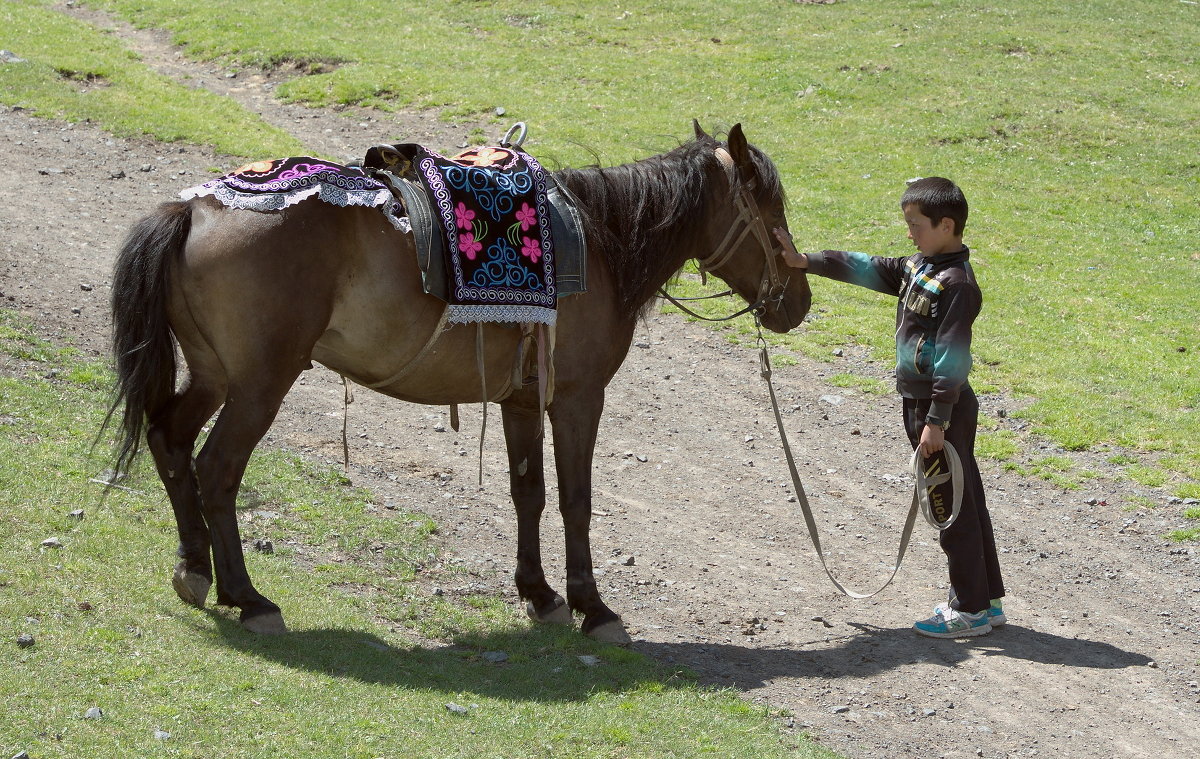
1099, 658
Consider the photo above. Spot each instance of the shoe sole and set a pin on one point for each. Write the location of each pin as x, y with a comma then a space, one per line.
968, 632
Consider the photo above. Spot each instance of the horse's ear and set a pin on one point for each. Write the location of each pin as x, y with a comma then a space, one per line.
700, 133
738, 149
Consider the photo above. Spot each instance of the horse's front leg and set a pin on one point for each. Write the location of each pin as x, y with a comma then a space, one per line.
576, 422
527, 483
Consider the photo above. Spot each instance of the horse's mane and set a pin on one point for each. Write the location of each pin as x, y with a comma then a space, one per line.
641, 214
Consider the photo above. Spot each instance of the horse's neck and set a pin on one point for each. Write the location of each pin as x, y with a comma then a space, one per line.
646, 251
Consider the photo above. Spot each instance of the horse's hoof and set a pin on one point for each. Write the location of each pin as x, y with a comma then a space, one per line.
191, 588
270, 623
611, 632
561, 615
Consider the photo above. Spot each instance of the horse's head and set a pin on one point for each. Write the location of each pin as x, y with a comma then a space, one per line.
745, 254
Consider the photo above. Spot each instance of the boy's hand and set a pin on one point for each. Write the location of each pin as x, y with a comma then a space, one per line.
791, 256
933, 439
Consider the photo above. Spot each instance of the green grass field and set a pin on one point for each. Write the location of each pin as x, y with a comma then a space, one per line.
1069, 126
356, 677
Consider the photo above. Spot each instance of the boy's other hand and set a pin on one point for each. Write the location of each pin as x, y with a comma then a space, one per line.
791, 256
933, 439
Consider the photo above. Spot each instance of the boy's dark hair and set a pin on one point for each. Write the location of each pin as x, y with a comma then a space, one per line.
937, 198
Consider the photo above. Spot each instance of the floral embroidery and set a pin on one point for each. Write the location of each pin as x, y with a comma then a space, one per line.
469, 246
464, 216
528, 217
531, 248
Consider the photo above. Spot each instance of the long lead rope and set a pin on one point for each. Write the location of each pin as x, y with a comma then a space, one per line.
921, 490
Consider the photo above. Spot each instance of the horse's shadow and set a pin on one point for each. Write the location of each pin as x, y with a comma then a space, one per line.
872, 650
544, 663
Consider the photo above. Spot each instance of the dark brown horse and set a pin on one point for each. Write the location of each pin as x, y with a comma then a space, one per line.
253, 298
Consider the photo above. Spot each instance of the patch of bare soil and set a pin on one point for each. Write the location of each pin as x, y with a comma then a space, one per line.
697, 541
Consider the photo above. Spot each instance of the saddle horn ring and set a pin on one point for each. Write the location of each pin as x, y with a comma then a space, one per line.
508, 142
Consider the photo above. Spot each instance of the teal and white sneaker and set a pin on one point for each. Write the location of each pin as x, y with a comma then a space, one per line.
954, 624
995, 612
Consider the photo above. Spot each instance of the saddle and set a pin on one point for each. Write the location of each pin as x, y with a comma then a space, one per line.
395, 166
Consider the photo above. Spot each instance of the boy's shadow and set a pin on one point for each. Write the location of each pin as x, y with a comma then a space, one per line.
875, 649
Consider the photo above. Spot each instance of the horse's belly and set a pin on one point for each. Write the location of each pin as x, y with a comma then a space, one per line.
423, 364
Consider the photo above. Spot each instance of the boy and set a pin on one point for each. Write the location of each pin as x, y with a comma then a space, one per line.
938, 301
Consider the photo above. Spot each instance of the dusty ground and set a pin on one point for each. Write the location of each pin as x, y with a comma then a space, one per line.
1099, 658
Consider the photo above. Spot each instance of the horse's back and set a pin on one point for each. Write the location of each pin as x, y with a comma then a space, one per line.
317, 282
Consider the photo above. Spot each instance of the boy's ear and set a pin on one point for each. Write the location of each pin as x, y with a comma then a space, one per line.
946, 224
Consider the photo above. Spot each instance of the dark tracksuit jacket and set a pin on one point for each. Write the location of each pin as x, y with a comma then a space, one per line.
938, 300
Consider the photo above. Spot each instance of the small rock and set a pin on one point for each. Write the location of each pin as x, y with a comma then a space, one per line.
628, 560
642, 344
1152, 664
22, 755
49, 171
77, 310
832, 400
456, 709
85, 287
838, 352
93, 713
495, 657
146, 167
51, 543
641, 458
264, 546
161, 735
928, 712
25, 640
7, 56
500, 110
839, 709
116, 174
439, 427
76, 514
589, 660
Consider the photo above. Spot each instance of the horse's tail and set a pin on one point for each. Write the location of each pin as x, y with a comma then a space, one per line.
142, 343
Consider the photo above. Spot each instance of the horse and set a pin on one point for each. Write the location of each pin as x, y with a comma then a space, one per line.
251, 299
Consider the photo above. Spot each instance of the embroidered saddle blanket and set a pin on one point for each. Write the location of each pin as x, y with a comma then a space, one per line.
396, 191
499, 218
283, 182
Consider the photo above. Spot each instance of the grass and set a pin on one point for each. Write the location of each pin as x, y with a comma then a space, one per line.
75, 72
358, 676
1068, 125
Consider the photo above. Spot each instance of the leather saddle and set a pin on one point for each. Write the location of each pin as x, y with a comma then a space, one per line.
393, 165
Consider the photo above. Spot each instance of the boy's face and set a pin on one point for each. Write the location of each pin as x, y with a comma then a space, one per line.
931, 239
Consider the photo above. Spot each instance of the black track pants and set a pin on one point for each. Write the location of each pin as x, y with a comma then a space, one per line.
969, 545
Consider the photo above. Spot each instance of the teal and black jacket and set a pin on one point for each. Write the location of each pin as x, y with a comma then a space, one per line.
938, 302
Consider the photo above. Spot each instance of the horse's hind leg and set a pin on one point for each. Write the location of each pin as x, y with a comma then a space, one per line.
247, 415
527, 484
171, 435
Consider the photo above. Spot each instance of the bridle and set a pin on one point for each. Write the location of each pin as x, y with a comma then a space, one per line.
748, 221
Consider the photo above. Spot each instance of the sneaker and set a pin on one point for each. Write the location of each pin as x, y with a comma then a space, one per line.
954, 624
995, 612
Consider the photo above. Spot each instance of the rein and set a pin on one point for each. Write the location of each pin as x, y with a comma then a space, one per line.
920, 500
749, 220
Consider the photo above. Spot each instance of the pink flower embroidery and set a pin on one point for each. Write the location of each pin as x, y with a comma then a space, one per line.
527, 216
469, 246
531, 249
464, 216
